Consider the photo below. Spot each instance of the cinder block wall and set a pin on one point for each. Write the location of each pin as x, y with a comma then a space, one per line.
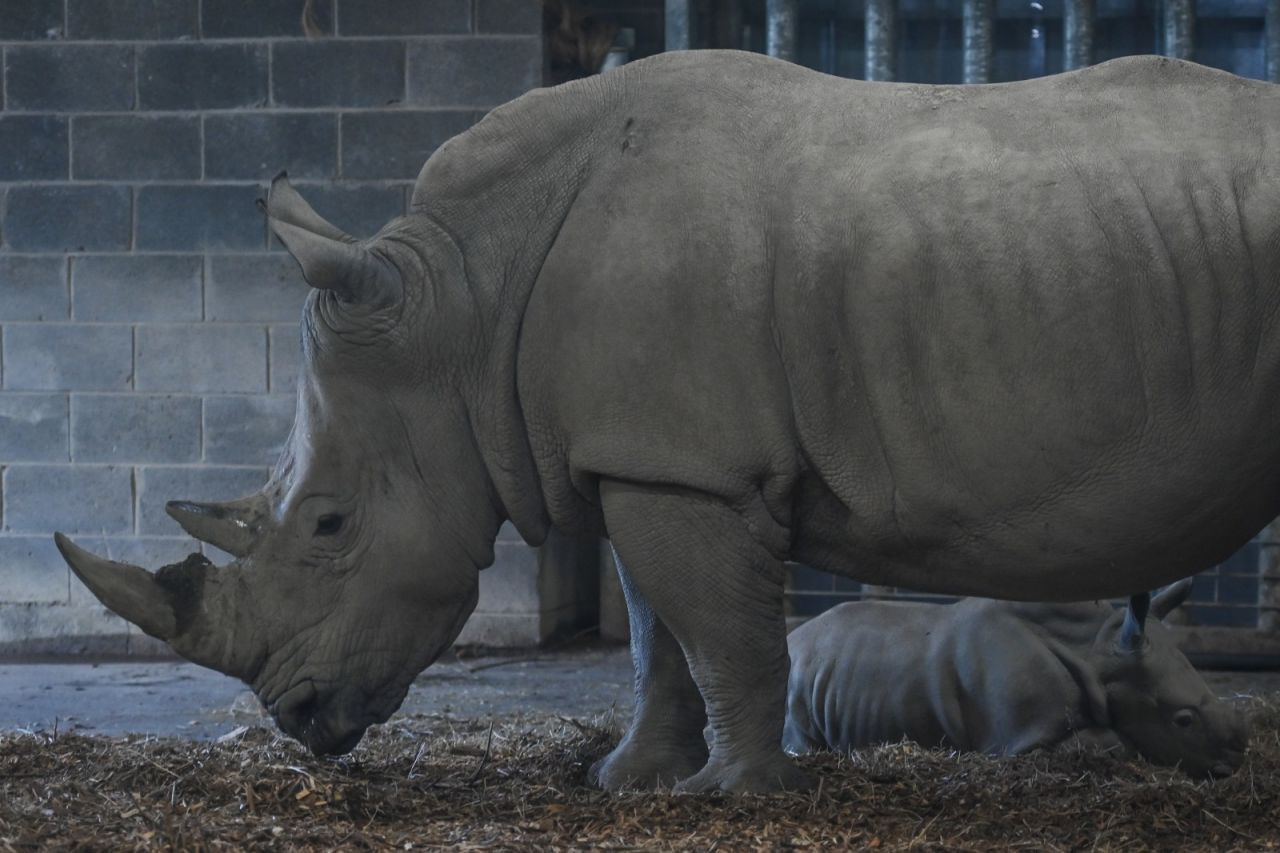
148, 327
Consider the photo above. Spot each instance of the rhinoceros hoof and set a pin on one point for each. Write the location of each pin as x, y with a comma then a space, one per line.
635, 769
761, 776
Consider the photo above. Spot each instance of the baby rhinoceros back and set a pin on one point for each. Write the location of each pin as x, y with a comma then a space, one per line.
1005, 678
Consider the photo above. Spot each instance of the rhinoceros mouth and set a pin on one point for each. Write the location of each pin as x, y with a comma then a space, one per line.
325, 722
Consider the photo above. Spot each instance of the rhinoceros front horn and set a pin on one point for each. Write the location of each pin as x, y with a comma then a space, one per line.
231, 526
128, 590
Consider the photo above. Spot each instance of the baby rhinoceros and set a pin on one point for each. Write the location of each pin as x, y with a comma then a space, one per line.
1004, 678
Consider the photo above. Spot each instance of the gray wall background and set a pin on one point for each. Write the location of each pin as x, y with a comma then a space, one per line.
148, 327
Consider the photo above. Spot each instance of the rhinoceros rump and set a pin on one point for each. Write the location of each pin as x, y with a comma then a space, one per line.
1005, 678
1013, 340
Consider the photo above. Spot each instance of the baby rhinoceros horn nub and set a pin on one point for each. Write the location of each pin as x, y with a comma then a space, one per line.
232, 526
127, 590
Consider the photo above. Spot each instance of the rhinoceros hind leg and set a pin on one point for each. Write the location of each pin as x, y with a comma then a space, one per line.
665, 742
709, 577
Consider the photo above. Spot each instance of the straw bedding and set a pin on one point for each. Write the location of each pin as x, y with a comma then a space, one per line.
520, 783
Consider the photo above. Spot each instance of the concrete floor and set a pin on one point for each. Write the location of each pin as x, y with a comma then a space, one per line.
181, 699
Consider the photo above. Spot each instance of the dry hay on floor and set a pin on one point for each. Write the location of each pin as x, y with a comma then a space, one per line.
520, 784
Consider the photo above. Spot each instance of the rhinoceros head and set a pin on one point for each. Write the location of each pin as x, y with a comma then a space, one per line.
356, 565
1157, 700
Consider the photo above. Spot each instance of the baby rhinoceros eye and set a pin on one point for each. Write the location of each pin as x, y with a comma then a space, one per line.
1184, 718
328, 524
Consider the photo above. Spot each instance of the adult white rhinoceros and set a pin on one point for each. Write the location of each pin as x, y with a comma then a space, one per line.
1015, 340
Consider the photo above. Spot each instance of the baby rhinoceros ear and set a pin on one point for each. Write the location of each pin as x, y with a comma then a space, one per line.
330, 259
1133, 638
1170, 598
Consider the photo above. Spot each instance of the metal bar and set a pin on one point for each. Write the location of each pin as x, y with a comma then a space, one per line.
679, 24
1273, 41
1180, 28
978, 21
882, 39
1078, 17
780, 28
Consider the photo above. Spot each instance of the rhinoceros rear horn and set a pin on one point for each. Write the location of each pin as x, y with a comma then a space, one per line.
1169, 598
127, 590
233, 526
352, 272
1132, 636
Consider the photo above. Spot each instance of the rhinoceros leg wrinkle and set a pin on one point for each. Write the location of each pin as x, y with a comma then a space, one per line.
717, 585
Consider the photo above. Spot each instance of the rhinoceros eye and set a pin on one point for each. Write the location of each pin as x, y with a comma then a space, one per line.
1184, 718
329, 524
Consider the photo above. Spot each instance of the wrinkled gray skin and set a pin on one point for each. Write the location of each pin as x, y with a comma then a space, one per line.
1005, 678
1014, 340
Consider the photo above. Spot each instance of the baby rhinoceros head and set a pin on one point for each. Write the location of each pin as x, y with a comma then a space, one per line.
1156, 699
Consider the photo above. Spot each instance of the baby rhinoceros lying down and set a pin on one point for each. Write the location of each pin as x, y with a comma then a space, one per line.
1004, 678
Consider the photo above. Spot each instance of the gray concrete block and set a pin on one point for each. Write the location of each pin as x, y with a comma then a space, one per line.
259, 145
403, 17
136, 288
264, 287
33, 428
70, 498
337, 73
396, 144
358, 209
246, 430
53, 218
135, 147
202, 358
502, 630
37, 629
216, 218
479, 71
133, 428
31, 20
33, 288
69, 77
32, 571
202, 76
522, 17
67, 357
286, 357
260, 18
510, 585
156, 486
150, 552
122, 20
33, 148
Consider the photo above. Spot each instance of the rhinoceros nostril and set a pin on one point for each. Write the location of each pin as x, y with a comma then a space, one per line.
295, 710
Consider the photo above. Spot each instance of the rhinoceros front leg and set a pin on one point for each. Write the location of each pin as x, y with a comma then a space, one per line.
710, 579
665, 742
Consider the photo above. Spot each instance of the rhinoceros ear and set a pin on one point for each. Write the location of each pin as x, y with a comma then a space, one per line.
1132, 637
352, 272
1169, 598
287, 205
